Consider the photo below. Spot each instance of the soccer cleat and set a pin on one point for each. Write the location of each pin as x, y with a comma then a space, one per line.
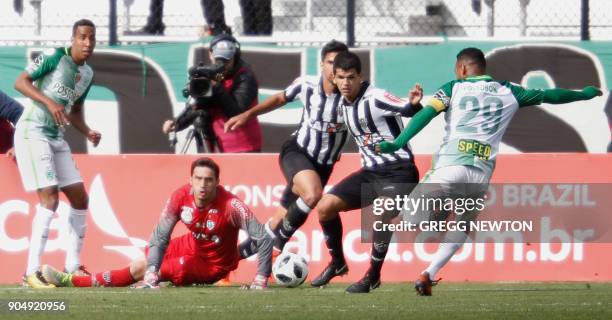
37, 281
424, 283
364, 285
329, 273
56, 277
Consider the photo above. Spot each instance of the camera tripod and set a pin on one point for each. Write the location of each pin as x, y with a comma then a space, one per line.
204, 143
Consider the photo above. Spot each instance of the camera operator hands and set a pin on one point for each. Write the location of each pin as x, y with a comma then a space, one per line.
168, 126
237, 121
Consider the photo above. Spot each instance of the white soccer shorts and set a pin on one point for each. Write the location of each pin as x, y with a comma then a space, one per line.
449, 181
45, 162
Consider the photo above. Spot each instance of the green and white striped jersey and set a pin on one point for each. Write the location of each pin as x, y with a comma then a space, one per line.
478, 111
58, 77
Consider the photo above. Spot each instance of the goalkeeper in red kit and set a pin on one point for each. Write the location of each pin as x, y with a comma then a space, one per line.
207, 254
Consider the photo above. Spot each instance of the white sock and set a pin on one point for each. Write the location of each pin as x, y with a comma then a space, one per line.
453, 241
268, 229
38, 238
77, 224
444, 254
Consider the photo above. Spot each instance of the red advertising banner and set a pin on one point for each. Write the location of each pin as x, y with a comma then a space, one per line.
128, 192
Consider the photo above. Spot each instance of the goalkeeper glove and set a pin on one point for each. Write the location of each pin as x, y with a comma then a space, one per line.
150, 281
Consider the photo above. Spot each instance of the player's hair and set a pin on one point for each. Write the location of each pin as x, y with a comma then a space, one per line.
473, 56
80, 23
333, 46
347, 61
206, 162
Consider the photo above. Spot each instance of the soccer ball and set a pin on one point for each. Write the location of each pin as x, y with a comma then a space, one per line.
290, 269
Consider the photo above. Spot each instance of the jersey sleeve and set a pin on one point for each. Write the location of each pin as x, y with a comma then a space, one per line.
526, 97
294, 89
44, 63
391, 105
441, 98
162, 232
243, 218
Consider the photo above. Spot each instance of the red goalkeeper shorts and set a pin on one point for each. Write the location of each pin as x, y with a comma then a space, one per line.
183, 267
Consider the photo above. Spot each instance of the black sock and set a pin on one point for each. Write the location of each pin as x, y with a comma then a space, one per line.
247, 248
380, 246
297, 213
332, 229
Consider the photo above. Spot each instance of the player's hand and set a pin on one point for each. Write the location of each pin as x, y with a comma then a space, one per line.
592, 92
150, 281
58, 113
236, 122
168, 126
94, 137
416, 94
386, 147
11, 154
259, 283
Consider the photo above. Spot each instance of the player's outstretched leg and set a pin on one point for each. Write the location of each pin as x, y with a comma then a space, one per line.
113, 278
308, 188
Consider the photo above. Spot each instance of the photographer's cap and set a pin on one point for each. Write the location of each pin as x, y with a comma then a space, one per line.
224, 49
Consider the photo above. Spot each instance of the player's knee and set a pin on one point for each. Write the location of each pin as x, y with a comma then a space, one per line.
81, 202
49, 198
326, 209
312, 196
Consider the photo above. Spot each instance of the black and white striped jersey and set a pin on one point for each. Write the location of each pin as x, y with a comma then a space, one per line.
374, 116
322, 132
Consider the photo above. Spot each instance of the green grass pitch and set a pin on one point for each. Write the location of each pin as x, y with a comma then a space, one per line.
390, 301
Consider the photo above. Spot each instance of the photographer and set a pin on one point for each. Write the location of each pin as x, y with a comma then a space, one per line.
216, 93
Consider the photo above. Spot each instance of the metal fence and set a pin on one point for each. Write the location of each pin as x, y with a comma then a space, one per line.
306, 21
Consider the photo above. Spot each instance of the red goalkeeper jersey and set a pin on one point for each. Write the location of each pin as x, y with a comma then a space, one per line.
214, 229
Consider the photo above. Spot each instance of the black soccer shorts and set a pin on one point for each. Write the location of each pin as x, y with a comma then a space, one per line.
293, 159
360, 188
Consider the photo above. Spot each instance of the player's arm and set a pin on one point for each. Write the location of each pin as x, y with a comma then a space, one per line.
41, 66
437, 104
24, 85
532, 97
160, 239
244, 219
391, 105
77, 120
271, 103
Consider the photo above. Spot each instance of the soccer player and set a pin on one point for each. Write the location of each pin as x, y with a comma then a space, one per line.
57, 83
204, 255
478, 110
307, 158
371, 115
